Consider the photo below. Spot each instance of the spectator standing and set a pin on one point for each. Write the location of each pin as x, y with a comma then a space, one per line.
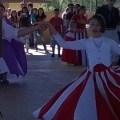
81, 20
65, 24
24, 22
8, 12
39, 36
32, 20
70, 13
22, 4
76, 7
14, 18
70, 56
57, 22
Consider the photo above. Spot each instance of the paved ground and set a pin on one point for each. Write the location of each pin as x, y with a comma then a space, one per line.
45, 77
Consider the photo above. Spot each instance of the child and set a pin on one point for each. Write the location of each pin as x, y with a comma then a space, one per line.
39, 35
9, 58
95, 94
57, 22
81, 21
68, 55
24, 23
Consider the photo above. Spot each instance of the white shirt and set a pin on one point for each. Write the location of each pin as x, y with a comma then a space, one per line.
8, 31
99, 50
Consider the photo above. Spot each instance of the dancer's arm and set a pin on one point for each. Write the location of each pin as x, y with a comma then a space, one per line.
25, 31
9, 32
75, 45
115, 47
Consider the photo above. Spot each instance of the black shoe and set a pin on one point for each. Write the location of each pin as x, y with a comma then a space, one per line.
53, 55
59, 55
1, 115
46, 51
4, 82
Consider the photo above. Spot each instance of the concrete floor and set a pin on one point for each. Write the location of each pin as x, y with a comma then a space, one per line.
45, 77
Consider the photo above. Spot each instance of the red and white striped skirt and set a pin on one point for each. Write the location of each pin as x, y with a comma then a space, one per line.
92, 96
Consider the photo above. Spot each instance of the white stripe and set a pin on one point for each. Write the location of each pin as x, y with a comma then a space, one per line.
108, 87
86, 107
112, 80
113, 70
83, 57
105, 81
50, 114
36, 113
69, 34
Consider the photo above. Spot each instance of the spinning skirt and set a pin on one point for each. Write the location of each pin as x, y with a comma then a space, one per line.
92, 96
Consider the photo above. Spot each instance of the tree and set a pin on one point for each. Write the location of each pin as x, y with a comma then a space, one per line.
62, 4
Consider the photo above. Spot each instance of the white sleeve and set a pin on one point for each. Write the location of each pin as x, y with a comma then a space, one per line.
9, 31
115, 47
20, 39
74, 45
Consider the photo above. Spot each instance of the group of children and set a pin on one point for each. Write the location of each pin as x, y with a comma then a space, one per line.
76, 29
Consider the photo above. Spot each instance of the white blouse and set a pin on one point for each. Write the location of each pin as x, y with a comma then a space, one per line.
8, 31
99, 50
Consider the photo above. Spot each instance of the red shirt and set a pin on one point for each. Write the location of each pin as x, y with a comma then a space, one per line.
77, 18
57, 22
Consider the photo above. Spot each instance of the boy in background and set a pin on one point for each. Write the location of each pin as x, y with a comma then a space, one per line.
57, 22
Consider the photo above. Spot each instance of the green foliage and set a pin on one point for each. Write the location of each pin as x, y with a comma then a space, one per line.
62, 4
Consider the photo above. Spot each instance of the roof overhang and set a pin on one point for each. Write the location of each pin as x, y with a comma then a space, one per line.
18, 1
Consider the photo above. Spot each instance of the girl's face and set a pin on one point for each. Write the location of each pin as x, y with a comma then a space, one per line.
24, 10
40, 11
56, 13
35, 11
94, 26
82, 12
14, 13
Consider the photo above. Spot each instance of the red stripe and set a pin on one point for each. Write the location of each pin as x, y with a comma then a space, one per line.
112, 87
113, 101
115, 76
67, 109
49, 104
103, 110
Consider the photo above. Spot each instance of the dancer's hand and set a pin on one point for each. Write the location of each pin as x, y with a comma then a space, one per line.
42, 26
52, 29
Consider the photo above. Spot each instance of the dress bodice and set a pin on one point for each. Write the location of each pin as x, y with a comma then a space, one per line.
97, 50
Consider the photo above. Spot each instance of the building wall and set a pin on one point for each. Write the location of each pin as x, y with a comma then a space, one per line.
16, 6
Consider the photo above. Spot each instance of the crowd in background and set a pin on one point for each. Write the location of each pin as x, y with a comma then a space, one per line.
71, 25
